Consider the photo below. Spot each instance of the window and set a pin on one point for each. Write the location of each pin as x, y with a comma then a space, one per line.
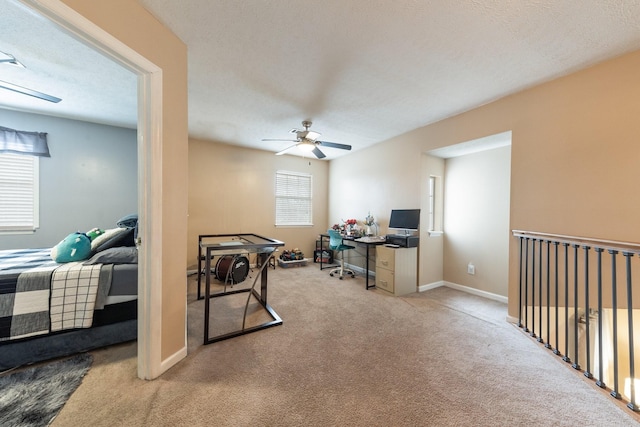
293, 199
435, 206
19, 210
432, 203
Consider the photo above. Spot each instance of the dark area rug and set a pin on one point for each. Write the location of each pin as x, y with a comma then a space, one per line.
34, 396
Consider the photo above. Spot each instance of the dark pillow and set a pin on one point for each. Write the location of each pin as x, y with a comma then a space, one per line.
124, 238
129, 221
119, 255
107, 235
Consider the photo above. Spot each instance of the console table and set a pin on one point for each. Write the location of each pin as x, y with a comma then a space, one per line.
211, 245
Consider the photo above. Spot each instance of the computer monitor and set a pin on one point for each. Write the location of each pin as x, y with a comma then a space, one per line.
405, 219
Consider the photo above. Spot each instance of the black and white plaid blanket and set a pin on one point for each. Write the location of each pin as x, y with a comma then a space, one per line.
38, 295
73, 295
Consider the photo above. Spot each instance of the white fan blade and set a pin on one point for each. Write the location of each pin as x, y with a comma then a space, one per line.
30, 92
279, 153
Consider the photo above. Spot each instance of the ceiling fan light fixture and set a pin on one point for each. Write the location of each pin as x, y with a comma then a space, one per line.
307, 146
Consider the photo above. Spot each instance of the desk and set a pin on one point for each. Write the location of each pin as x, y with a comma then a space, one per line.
368, 242
234, 244
322, 239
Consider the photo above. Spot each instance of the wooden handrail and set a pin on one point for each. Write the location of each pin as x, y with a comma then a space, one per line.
583, 241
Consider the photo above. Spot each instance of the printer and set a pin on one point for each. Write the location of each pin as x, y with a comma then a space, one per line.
402, 240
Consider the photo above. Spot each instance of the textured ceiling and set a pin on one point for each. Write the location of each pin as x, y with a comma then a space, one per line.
92, 87
363, 71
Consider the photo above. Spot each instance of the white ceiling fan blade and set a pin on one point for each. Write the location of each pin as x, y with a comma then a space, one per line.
281, 140
308, 134
279, 153
27, 91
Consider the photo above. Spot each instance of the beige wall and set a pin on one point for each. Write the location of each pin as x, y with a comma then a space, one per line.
377, 180
476, 218
574, 159
131, 24
431, 253
231, 190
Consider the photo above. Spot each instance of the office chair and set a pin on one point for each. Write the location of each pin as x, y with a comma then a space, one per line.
335, 244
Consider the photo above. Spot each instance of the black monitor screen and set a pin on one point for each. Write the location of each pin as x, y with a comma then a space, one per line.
406, 219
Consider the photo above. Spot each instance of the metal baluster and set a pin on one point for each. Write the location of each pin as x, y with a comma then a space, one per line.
614, 307
526, 284
632, 392
600, 383
547, 345
576, 318
540, 292
533, 288
520, 288
566, 357
587, 372
555, 350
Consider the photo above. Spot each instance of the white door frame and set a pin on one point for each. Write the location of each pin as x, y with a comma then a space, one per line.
149, 171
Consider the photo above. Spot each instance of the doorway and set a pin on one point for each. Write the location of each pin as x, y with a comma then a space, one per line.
149, 169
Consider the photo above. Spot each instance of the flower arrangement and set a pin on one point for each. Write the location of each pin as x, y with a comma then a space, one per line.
351, 222
369, 221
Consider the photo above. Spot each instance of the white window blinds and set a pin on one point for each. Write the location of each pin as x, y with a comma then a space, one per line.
293, 198
18, 192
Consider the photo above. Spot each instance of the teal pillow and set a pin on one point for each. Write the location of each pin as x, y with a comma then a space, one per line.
74, 247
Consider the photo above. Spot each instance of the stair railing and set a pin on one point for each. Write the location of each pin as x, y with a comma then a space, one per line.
556, 305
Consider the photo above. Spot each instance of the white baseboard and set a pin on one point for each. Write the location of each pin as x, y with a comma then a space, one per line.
430, 286
466, 289
170, 361
512, 319
477, 292
357, 269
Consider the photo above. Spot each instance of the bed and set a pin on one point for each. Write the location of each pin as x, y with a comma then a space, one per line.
50, 309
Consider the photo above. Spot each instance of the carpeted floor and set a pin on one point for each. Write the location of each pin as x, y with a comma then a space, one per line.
346, 356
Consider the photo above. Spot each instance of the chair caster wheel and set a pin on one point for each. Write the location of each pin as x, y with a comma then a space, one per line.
340, 277
331, 274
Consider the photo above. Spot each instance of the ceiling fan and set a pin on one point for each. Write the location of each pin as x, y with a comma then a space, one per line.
307, 140
9, 59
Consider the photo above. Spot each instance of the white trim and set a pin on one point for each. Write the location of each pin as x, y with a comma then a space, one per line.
174, 358
150, 364
512, 319
427, 287
477, 292
355, 268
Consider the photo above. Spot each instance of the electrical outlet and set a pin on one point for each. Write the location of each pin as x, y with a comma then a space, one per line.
471, 269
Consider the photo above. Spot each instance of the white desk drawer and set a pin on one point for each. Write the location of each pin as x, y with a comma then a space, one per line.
385, 257
384, 279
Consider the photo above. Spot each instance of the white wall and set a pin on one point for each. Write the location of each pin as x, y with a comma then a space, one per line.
476, 220
89, 181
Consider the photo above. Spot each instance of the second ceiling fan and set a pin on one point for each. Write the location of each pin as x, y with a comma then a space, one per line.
307, 140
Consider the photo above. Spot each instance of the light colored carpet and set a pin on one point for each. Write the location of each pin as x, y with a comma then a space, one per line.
346, 356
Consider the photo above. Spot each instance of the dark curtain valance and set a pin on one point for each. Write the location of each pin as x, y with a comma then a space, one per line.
21, 142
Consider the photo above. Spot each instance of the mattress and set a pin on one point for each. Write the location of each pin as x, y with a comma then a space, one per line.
39, 296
